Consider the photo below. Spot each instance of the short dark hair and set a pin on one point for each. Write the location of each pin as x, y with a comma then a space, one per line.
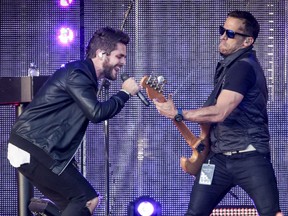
252, 26
105, 39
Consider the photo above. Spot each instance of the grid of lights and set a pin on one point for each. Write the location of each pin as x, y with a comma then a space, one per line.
234, 211
144, 206
65, 34
65, 3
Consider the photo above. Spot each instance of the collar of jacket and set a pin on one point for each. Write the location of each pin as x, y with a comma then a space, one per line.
230, 58
91, 67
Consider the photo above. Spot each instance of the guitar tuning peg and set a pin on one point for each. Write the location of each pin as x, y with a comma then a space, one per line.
156, 82
150, 80
153, 80
161, 80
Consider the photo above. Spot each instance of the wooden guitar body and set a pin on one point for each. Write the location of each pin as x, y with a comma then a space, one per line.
200, 145
200, 150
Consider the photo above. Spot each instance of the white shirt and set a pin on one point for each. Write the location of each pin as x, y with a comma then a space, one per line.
17, 156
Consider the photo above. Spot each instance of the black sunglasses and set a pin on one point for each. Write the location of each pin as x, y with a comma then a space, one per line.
230, 33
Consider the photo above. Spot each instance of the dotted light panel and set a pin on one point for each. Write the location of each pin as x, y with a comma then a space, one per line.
179, 39
176, 39
28, 34
235, 211
8, 185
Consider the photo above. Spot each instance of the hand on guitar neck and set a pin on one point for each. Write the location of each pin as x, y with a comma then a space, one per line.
200, 145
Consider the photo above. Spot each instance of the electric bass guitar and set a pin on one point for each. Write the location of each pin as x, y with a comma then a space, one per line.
200, 145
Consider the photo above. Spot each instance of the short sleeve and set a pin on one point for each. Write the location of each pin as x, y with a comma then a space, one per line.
240, 78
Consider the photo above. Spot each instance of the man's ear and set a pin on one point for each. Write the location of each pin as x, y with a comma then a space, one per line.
100, 53
248, 41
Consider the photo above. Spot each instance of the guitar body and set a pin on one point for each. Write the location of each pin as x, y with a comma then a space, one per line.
200, 145
200, 150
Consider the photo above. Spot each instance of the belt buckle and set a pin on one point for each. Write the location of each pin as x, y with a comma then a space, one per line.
248, 149
230, 153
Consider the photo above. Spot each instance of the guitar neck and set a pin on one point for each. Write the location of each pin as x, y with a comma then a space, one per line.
153, 92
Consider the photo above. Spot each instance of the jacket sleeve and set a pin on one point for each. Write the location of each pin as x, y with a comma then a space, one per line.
84, 92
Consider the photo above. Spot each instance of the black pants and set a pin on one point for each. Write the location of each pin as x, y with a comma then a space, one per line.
70, 191
252, 171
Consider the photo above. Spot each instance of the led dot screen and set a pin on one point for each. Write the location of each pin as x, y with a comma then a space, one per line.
176, 39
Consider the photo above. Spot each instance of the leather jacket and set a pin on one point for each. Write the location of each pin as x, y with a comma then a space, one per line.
52, 126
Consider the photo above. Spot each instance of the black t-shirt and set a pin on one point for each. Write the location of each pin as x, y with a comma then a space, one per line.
240, 78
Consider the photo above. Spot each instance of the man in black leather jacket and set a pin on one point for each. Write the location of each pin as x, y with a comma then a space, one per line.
47, 135
239, 134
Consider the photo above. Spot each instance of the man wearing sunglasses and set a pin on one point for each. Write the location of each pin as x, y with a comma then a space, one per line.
237, 114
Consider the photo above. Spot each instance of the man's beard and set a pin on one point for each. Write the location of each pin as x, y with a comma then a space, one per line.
221, 51
222, 55
108, 71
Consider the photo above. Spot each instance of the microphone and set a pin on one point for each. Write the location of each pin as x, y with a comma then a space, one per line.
124, 77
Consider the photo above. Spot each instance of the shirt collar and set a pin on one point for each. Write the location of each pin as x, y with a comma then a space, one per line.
230, 58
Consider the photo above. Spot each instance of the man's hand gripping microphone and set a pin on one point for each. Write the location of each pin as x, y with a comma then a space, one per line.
124, 77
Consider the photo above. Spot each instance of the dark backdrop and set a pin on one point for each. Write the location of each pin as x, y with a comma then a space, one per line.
176, 39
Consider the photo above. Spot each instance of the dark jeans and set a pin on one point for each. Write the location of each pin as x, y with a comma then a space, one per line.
69, 191
252, 171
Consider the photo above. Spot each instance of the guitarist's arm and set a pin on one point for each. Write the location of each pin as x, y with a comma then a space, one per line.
227, 101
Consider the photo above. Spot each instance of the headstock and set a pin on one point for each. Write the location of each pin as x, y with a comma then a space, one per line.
154, 86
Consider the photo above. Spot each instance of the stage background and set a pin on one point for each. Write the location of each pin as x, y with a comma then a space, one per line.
176, 39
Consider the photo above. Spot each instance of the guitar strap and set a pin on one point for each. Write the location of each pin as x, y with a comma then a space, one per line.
214, 94
220, 74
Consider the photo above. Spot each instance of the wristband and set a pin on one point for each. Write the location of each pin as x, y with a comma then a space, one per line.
179, 117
